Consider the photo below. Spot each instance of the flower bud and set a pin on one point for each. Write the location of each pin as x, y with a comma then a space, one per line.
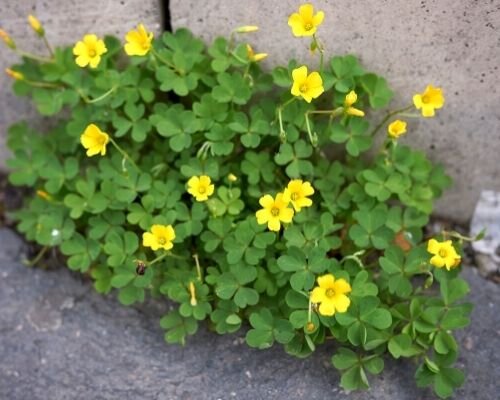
36, 25
43, 195
7, 39
192, 291
14, 74
247, 29
232, 178
351, 98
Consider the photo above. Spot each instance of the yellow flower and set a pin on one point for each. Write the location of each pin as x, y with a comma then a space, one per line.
308, 86
7, 39
254, 57
89, 51
444, 254
200, 187
304, 23
331, 294
396, 128
350, 99
192, 292
431, 99
297, 191
94, 140
160, 237
36, 25
247, 29
138, 41
274, 211
14, 74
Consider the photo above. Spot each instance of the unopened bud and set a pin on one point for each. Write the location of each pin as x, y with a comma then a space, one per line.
36, 25
232, 178
355, 112
310, 327
247, 29
192, 291
43, 195
351, 98
14, 74
7, 39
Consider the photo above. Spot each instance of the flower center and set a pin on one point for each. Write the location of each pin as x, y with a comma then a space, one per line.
426, 99
101, 140
330, 293
202, 190
303, 88
275, 211
443, 253
92, 52
294, 196
162, 240
308, 26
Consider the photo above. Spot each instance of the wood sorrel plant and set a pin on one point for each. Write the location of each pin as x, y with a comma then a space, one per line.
183, 172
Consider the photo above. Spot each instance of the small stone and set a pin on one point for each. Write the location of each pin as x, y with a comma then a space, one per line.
486, 265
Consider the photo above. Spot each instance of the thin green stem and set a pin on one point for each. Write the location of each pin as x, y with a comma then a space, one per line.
312, 136
34, 56
164, 255
49, 47
458, 236
321, 50
166, 62
88, 100
38, 257
198, 267
124, 154
279, 111
387, 117
354, 257
43, 84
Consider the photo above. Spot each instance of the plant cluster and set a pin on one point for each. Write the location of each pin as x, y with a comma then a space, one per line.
189, 173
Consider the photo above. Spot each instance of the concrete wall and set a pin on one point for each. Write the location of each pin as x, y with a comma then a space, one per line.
450, 43
65, 22
454, 44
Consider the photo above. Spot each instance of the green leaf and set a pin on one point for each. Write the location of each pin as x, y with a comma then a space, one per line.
378, 91
267, 329
178, 327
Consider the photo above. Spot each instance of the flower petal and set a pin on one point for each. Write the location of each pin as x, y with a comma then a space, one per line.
299, 75
342, 302
433, 246
340, 286
318, 295
326, 281
327, 308
262, 216
266, 201
274, 224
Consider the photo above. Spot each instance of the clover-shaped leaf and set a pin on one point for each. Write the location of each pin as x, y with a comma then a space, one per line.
295, 157
305, 266
354, 135
266, 329
371, 229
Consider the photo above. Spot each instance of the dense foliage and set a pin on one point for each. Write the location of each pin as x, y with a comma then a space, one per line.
184, 110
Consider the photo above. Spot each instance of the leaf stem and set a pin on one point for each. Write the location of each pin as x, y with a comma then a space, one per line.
124, 154
38, 257
26, 54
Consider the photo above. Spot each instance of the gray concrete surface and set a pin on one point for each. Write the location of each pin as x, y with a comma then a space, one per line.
449, 43
61, 340
65, 22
